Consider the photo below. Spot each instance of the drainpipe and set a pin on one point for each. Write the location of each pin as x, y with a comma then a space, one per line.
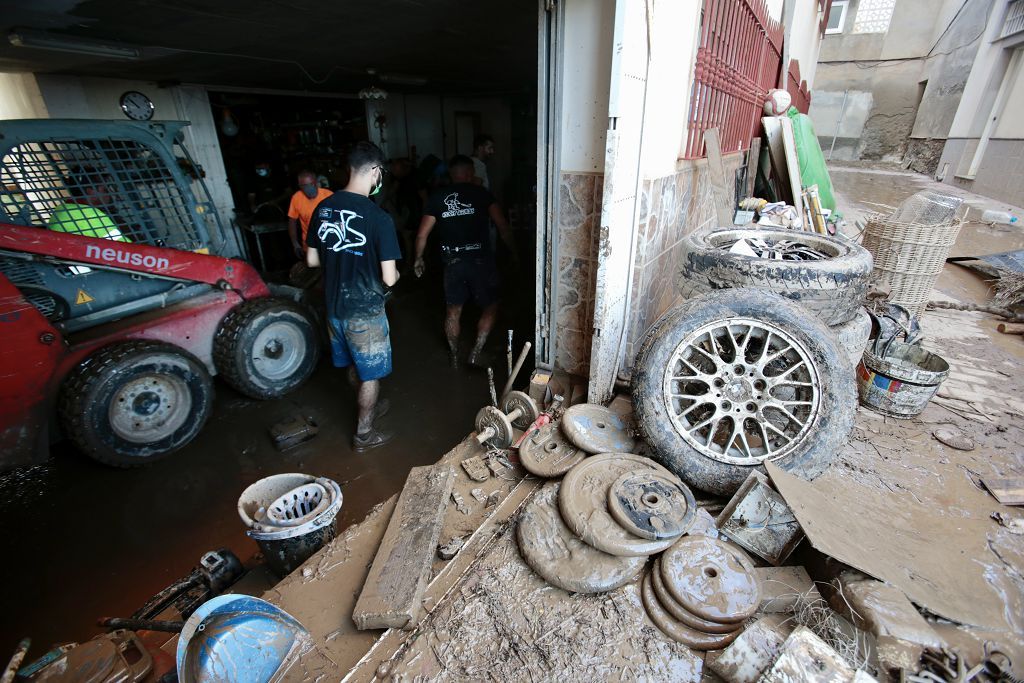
839, 121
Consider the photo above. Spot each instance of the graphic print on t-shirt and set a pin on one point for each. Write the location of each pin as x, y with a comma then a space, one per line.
336, 232
456, 207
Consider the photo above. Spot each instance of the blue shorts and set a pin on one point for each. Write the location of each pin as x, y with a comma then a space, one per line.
362, 341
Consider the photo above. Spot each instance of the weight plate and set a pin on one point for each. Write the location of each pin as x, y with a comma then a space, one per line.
583, 501
491, 417
597, 429
652, 505
711, 579
563, 560
676, 630
546, 453
526, 405
681, 613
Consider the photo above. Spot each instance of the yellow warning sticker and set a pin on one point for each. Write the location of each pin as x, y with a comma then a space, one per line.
83, 297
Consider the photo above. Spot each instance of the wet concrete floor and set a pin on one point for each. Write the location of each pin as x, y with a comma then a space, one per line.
82, 540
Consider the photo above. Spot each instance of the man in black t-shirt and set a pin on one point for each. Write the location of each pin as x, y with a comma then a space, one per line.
463, 211
356, 243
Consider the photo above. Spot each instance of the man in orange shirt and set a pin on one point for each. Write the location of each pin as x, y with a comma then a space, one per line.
301, 210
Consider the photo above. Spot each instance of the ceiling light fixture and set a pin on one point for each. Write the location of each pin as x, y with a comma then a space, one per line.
373, 93
42, 40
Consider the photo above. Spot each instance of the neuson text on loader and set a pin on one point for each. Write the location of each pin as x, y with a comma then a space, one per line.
112, 255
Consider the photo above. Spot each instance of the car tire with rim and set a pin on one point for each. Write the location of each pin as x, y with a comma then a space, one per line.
853, 336
833, 288
135, 402
266, 347
731, 379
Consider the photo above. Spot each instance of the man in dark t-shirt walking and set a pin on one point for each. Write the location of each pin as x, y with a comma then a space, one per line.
463, 211
357, 246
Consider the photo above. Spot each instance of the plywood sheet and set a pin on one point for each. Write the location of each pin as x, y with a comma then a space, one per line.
1006, 491
720, 186
940, 562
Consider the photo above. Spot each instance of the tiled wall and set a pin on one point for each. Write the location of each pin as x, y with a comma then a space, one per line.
578, 225
671, 207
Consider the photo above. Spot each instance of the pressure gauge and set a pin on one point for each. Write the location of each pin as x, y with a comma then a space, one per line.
137, 106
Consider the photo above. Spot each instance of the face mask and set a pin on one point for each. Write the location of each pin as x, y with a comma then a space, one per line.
380, 184
309, 190
263, 172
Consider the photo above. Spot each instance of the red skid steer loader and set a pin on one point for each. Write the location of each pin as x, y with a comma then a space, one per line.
113, 313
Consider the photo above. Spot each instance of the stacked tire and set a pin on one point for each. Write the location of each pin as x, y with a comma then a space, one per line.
832, 289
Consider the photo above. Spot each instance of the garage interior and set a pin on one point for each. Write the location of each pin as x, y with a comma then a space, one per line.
288, 76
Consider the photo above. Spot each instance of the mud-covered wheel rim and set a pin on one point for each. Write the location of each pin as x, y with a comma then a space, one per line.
278, 350
150, 408
742, 391
788, 246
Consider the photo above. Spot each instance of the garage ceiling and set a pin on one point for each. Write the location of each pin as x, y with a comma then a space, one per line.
456, 46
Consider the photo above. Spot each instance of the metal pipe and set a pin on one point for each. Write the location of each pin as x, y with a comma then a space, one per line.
515, 370
839, 121
142, 624
490, 385
19, 654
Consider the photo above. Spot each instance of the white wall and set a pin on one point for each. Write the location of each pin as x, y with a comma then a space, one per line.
20, 97
1011, 125
587, 52
805, 37
675, 32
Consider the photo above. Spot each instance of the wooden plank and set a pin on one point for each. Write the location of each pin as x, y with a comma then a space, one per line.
722, 190
392, 643
753, 162
793, 168
393, 592
1006, 491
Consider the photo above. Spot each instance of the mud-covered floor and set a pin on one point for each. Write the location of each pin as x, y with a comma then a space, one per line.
82, 540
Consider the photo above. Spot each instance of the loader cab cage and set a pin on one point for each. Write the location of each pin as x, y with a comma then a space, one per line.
111, 179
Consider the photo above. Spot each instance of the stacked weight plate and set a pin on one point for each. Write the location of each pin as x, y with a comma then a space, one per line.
700, 591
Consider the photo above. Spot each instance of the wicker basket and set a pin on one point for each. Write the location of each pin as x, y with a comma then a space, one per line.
909, 257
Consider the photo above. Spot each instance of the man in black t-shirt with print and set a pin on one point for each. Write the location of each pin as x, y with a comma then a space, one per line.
356, 243
463, 211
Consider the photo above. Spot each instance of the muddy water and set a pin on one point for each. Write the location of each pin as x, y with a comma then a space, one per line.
83, 541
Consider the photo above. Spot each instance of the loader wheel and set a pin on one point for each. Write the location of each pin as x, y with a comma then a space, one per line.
266, 347
729, 380
133, 403
827, 275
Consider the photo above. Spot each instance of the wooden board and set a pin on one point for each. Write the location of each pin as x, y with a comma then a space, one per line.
722, 190
753, 161
393, 592
793, 168
1006, 491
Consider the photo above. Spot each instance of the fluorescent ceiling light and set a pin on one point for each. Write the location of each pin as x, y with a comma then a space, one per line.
41, 40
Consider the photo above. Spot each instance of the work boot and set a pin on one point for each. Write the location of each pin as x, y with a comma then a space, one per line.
372, 439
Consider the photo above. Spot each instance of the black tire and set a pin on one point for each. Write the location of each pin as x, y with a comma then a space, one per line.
266, 347
165, 391
853, 336
826, 421
832, 289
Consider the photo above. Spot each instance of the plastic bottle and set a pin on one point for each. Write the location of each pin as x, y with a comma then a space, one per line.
998, 217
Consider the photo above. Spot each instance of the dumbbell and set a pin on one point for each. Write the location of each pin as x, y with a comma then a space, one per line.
494, 427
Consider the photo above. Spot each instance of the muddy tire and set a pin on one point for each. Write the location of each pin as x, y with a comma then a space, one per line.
266, 347
833, 289
136, 402
853, 336
727, 381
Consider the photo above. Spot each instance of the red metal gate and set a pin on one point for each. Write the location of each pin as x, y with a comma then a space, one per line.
737, 64
797, 88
